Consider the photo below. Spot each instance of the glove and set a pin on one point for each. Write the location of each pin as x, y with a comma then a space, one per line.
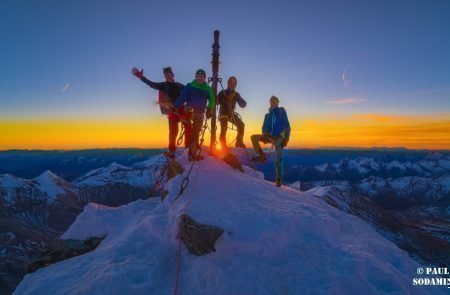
137, 73
167, 105
208, 113
242, 103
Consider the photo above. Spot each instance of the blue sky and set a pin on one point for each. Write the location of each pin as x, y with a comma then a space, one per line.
395, 55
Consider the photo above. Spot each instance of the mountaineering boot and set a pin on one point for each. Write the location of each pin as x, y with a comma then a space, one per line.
260, 158
169, 155
193, 154
240, 145
278, 182
195, 158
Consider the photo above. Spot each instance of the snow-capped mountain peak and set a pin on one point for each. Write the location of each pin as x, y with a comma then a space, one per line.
10, 181
51, 184
139, 175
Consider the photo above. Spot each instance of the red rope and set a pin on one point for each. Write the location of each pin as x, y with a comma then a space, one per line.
175, 292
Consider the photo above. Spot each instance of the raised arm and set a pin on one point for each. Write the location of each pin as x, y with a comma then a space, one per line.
140, 74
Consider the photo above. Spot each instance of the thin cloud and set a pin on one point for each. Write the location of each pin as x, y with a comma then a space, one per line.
65, 88
348, 100
345, 78
374, 117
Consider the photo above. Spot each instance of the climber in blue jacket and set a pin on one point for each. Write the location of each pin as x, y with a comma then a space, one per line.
276, 130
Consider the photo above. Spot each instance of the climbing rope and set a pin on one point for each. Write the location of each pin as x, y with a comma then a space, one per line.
159, 179
177, 279
183, 186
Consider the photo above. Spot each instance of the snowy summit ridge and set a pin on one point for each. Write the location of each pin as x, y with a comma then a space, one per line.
276, 241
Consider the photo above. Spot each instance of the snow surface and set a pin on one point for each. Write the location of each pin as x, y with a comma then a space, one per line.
322, 167
154, 160
330, 193
319, 191
445, 183
436, 162
10, 183
277, 241
47, 182
295, 185
373, 184
137, 175
361, 165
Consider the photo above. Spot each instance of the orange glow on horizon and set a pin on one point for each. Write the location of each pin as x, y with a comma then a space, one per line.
376, 130
313, 131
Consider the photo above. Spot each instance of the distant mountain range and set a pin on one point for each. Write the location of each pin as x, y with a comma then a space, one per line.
68, 164
408, 202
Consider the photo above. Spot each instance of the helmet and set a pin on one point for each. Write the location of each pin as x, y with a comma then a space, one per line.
274, 98
200, 72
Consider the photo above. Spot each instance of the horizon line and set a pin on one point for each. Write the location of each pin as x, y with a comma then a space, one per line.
289, 148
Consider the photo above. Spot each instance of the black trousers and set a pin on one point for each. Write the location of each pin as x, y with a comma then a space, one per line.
197, 124
235, 120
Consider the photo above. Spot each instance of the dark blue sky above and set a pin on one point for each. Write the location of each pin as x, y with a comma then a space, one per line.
317, 56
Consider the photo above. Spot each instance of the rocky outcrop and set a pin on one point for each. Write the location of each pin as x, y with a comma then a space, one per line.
199, 238
64, 249
173, 169
233, 161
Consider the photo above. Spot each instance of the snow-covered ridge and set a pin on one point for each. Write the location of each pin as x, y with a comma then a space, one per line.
40, 209
45, 186
10, 181
50, 184
276, 241
139, 174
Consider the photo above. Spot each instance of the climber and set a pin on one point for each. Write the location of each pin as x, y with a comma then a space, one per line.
200, 97
227, 100
276, 130
169, 91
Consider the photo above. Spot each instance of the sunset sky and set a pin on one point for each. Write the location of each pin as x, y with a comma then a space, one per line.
349, 73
